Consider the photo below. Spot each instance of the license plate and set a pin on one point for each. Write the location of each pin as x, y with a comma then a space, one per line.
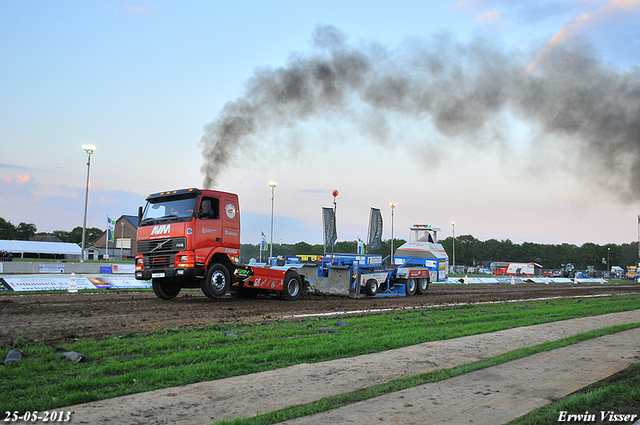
157, 275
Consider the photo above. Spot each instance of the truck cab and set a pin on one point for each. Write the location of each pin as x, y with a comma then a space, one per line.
183, 235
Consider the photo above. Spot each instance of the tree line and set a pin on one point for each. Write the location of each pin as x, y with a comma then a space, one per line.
470, 251
26, 231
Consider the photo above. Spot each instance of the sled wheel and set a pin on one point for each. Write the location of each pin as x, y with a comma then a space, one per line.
410, 287
372, 287
423, 286
165, 289
291, 286
216, 283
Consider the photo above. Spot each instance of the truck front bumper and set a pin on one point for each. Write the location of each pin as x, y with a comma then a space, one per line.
187, 272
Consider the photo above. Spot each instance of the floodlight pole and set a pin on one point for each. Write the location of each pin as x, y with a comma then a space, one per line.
272, 184
89, 150
393, 207
333, 237
453, 227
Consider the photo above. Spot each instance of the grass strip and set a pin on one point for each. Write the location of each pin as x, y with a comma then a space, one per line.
330, 403
133, 363
618, 394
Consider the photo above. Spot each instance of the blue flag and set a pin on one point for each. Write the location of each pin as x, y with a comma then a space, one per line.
263, 244
111, 229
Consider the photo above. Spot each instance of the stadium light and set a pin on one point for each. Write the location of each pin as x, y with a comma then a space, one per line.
89, 150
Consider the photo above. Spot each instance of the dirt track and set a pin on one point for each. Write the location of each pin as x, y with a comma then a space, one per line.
62, 316
59, 316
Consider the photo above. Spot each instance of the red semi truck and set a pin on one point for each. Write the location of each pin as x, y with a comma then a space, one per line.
190, 238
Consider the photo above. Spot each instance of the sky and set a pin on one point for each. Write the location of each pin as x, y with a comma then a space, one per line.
515, 120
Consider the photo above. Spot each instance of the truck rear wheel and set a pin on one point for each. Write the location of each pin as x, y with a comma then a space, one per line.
165, 289
216, 283
291, 286
372, 287
410, 287
423, 286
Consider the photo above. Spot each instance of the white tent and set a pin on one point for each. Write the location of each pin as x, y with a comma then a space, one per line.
45, 249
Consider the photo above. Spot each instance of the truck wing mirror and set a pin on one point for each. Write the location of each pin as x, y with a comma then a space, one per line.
139, 215
205, 208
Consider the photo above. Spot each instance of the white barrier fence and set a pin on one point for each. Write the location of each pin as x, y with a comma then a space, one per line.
522, 279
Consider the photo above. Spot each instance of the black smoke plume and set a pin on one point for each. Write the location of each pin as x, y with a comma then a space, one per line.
455, 88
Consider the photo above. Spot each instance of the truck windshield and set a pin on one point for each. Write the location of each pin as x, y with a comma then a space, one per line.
174, 209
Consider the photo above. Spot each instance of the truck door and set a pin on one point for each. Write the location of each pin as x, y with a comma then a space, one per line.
207, 232
231, 222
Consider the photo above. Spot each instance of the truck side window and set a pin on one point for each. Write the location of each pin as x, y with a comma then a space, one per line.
215, 209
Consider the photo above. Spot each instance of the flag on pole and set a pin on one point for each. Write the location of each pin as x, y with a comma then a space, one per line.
360, 246
374, 237
111, 229
330, 232
263, 244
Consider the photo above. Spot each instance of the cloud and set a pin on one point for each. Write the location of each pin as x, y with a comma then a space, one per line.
130, 10
11, 166
54, 207
489, 17
604, 15
142, 10
19, 179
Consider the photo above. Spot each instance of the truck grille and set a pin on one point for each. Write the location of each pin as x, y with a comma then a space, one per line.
159, 254
157, 246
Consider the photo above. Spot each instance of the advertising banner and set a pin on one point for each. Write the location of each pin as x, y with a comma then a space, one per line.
123, 268
51, 268
45, 283
15, 283
4, 286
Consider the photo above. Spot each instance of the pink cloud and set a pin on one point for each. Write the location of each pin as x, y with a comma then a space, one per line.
609, 12
17, 180
140, 9
489, 16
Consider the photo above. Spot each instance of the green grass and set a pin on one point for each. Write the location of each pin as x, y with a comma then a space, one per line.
131, 363
330, 403
619, 393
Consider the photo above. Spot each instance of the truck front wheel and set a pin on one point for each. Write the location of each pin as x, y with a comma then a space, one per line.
216, 283
165, 289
